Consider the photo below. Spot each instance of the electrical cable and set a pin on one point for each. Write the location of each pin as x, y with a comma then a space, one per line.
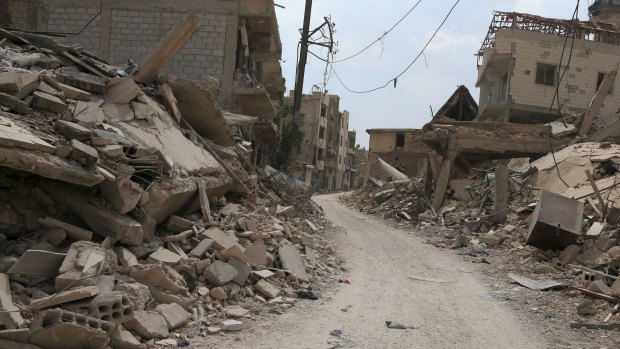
382, 36
395, 79
556, 95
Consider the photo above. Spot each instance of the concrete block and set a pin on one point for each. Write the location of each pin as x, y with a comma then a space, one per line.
148, 324
113, 306
178, 224
219, 273
89, 114
83, 262
267, 289
111, 151
118, 112
235, 251
47, 102
65, 297
122, 194
243, 270
83, 153
599, 286
61, 329
159, 276
73, 232
125, 257
10, 318
232, 325
604, 243
121, 90
218, 293
174, 314
569, 254
14, 104
18, 84
81, 80
137, 293
235, 311
75, 93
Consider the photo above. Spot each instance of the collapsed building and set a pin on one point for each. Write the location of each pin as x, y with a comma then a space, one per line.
533, 171
131, 202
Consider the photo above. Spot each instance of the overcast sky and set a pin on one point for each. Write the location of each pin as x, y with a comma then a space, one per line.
449, 62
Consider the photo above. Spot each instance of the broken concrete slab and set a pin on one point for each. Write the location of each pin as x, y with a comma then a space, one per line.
243, 270
111, 151
263, 274
232, 325
10, 317
219, 273
84, 261
38, 263
47, 102
178, 224
162, 255
291, 261
221, 240
143, 111
235, 311
171, 102
159, 276
89, 114
257, 254
83, 81
122, 194
202, 247
48, 166
14, 135
267, 289
200, 110
174, 315
121, 90
75, 93
148, 324
236, 251
138, 294
118, 112
64, 297
83, 153
99, 218
71, 130
73, 232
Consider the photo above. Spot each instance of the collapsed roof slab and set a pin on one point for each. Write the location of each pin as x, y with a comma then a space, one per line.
199, 109
254, 102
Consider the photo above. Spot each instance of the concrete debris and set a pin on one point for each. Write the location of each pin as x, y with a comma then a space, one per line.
126, 214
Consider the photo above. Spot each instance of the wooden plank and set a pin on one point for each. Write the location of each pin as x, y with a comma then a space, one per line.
167, 48
599, 197
597, 101
502, 193
611, 130
205, 208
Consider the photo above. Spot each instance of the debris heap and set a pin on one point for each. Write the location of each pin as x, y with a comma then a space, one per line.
128, 210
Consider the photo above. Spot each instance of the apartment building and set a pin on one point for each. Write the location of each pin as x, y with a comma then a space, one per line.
519, 65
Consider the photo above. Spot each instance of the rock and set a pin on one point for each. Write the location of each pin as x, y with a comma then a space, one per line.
235, 251
218, 293
291, 261
162, 255
235, 311
490, 239
213, 330
599, 286
479, 248
111, 151
201, 248
125, 257
614, 252
221, 240
243, 271
543, 269
174, 314
587, 308
383, 196
267, 289
569, 254
257, 254
219, 273
148, 324
120, 338
232, 325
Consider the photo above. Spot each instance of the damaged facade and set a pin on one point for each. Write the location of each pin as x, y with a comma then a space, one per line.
327, 154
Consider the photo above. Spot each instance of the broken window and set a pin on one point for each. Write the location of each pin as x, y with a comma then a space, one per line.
323, 110
546, 74
599, 81
321, 154
321, 132
400, 140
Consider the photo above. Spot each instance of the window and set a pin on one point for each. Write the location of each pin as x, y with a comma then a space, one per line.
321, 154
400, 140
546, 74
599, 81
321, 132
323, 110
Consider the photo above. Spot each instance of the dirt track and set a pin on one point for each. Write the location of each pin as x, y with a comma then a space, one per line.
459, 313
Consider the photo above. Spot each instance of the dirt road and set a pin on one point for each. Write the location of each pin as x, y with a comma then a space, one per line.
459, 313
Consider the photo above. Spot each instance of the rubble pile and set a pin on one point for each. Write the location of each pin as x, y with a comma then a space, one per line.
128, 214
557, 234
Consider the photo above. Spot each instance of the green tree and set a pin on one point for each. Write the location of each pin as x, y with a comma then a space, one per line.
280, 153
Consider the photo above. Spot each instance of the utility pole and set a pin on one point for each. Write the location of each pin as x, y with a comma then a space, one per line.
299, 83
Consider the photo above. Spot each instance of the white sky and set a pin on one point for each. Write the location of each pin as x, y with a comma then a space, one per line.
449, 62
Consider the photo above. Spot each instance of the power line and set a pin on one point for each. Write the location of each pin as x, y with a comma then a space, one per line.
395, 79
382, 36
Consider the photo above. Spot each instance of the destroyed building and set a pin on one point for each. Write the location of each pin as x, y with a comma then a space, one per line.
518, 66
237, 42
326, 144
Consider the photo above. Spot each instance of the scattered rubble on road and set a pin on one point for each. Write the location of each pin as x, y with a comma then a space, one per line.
122, 222
556, 230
